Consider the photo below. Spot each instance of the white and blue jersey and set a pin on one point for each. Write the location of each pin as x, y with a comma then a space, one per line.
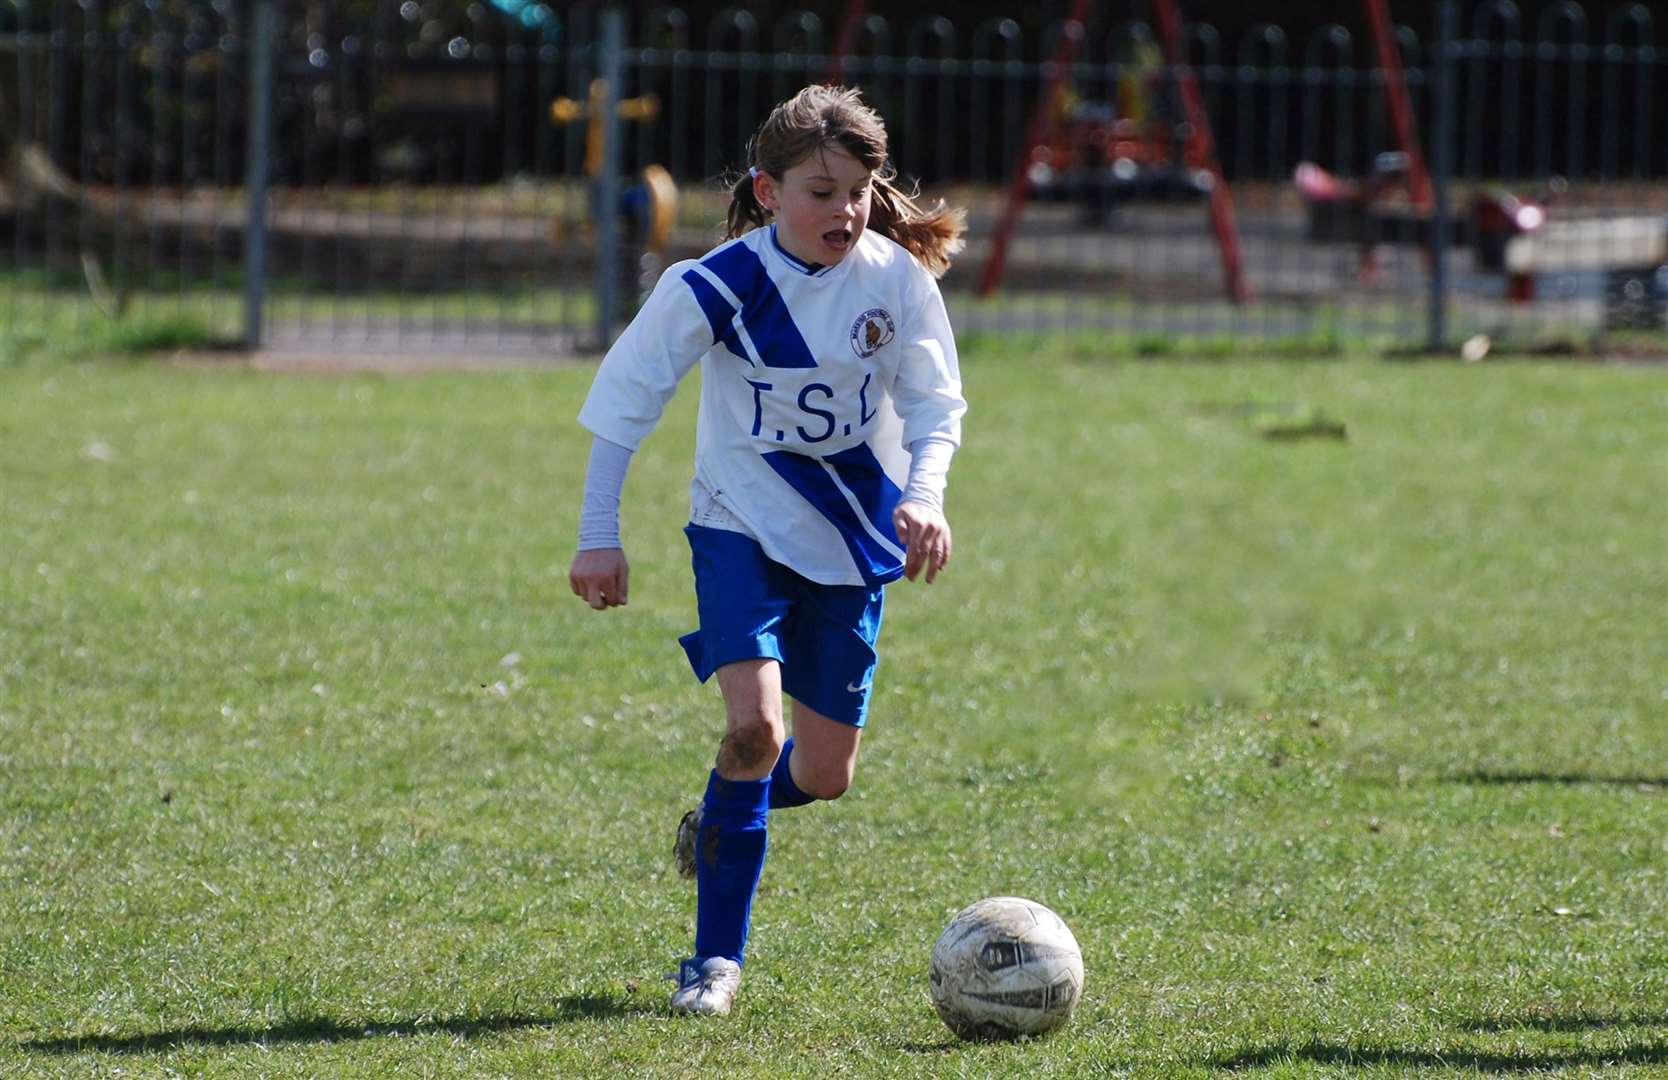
814, 381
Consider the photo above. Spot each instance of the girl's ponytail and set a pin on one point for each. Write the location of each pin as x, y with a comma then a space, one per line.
933, 235
745, 212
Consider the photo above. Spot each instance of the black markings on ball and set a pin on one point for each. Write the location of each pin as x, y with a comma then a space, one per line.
1031, 997
998, 955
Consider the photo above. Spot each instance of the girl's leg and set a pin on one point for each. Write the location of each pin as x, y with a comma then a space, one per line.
730, 847
752, 692
819, 760
830, 652
730, 842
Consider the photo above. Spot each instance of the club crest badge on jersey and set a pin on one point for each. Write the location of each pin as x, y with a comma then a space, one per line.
872, 330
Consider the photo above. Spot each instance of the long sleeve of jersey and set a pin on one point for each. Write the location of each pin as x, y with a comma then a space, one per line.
929, 471
927, 387
599, 516
643, 368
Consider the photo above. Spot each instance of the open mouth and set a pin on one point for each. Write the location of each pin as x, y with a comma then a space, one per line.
838, 239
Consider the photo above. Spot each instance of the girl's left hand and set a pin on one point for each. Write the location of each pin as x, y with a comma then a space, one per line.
925, 535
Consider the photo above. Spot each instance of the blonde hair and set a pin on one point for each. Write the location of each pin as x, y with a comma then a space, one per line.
820, 116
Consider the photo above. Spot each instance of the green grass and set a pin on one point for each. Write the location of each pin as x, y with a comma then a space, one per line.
1341, 757
48, 316
45, 319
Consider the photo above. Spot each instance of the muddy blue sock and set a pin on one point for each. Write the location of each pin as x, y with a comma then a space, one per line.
783, 791
729, 856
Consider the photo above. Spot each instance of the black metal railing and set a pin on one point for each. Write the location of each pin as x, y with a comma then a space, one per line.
434, 176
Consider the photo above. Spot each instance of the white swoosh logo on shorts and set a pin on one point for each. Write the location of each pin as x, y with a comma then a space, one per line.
857, 689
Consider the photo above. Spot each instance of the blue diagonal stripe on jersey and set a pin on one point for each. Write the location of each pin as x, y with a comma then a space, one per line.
807, 476
763, 311
720, 315
861, 471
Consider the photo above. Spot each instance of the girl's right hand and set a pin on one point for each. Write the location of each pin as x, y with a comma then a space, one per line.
600, 577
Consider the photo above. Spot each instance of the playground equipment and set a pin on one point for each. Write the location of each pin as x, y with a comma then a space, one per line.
1103, 153
1395, 203
1198, 150
647, 209
40, 193
1100, 155
1382, 208
1625, 257
850, 23
1528, 239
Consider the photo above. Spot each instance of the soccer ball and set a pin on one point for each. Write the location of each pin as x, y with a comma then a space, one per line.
1005, 967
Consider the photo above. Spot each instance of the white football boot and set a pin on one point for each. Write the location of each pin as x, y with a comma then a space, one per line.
706, 987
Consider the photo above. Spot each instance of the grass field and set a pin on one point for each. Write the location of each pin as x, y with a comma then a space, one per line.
1341, 756
50, 318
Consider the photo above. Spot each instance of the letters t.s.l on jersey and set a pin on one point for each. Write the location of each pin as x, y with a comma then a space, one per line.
814, 381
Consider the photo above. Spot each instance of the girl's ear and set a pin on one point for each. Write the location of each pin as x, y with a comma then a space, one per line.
764, 190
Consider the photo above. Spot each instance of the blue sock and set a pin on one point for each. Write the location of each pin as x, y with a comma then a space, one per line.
729, 856
783, 791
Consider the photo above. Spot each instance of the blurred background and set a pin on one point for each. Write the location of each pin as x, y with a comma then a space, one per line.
505, 177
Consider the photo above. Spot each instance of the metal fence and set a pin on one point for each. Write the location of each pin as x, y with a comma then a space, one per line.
433, 175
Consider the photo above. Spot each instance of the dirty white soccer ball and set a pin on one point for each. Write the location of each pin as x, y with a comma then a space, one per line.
1005, 967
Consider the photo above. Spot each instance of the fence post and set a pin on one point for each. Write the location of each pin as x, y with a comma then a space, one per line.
607, 194
262, 31
1442, 87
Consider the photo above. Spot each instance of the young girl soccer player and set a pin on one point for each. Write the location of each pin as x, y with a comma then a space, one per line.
830, 407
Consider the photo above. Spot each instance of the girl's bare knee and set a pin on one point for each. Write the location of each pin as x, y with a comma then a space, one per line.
826, 786
751, 746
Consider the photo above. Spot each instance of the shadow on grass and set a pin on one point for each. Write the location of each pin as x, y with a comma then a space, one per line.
324, 1030
1651, 783
1575, 1022
1482, 1061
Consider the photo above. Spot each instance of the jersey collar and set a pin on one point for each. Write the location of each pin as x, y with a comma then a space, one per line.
809, 269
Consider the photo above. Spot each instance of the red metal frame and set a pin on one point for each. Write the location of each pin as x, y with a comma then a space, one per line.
1200, 146
1401, 107
1036, 133
1203, 146
847, 40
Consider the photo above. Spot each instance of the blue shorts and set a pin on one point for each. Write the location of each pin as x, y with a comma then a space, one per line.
752, 606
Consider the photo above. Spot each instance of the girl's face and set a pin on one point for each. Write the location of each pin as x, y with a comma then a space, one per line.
821, 205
